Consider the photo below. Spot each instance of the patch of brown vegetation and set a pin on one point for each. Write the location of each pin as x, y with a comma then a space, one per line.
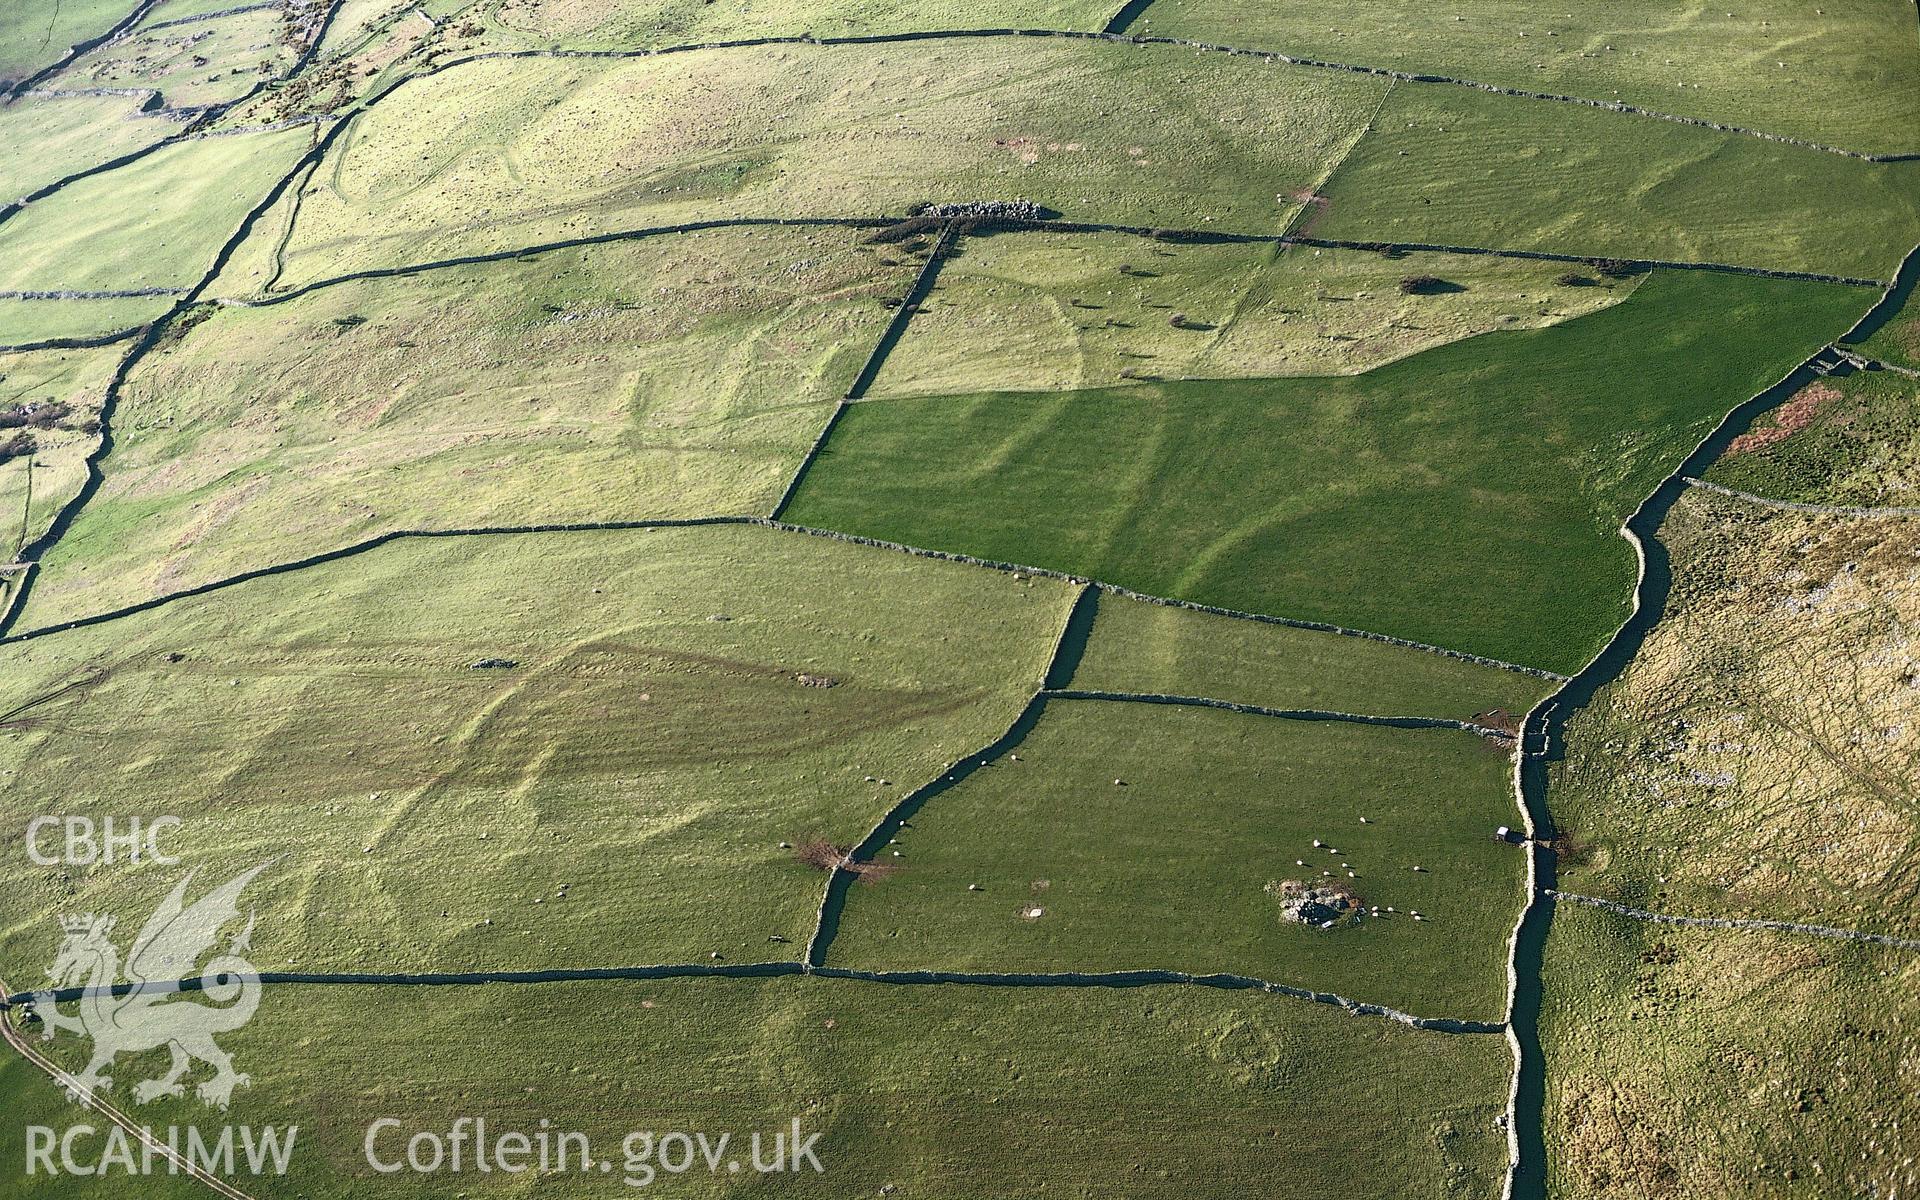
1601, 1154
1790, 418
823, 855
1500, 719
1571, 851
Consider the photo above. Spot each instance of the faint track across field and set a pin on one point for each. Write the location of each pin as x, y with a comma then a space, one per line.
1744, 923
1836, 510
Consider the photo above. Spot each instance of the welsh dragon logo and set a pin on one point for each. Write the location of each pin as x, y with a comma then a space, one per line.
149, 1010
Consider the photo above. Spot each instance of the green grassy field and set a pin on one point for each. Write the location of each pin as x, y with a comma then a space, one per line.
767, 131
42, 140
1140, 647
1684, 1062
1760, 758
76, 379
1467, 497
1854, 440
559, 148
29, 322
175, 10
31, 40
678, 377
622, 23
1898, 341
928, 1091
618, 797
1843, 73
154, 223
1172, 867
1050, 312
1460, 167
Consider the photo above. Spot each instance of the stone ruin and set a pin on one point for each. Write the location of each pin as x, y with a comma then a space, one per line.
986, 210
1321, 905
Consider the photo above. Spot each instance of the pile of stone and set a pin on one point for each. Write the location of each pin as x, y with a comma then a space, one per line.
1319, 905
986, 210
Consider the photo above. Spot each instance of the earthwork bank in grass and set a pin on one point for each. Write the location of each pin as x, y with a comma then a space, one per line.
1455, 166
1141, 647
553, 148
556, 148
678, 377
1761, 756
1842, 73
1687, 1062
935, 1091
1049, 311
522, 751
1467, 497
1129, 836
1852, 440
